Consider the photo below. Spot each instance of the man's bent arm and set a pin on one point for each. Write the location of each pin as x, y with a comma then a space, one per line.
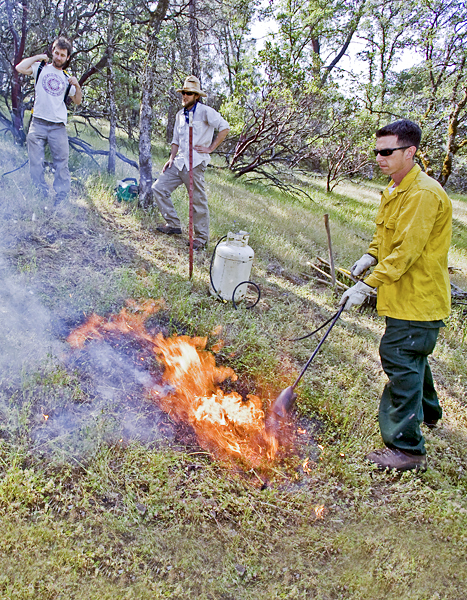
173, 154
78, 96
220, 137
25, 66
173, 151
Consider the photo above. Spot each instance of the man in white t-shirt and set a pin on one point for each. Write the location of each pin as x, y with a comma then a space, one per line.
176, 169
48, 126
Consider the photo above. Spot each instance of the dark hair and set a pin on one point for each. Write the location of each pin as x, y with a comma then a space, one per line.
408, 133
64, 44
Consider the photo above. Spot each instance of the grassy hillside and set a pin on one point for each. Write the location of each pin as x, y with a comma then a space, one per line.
106, 498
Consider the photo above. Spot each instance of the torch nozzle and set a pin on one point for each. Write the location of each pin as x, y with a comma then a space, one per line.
279, 410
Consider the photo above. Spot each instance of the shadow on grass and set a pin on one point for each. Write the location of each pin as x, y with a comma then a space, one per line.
459, 234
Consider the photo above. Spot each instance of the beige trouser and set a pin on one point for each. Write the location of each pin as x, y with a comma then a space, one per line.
41, 133
169, 181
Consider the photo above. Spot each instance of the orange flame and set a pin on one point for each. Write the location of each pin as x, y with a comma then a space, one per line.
319, 511
224, 424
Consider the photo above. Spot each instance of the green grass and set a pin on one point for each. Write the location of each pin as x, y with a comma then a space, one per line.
87, 516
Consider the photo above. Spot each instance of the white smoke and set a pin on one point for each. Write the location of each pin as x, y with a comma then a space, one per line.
65, 403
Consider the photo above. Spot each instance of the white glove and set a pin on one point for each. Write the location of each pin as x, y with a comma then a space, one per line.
363, 264
355, 295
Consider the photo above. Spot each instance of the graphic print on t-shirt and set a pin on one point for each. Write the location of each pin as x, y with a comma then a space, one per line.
53, 84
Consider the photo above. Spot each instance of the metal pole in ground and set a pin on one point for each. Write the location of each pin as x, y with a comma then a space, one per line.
190, 188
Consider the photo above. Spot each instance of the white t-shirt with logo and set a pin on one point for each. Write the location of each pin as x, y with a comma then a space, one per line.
50, 91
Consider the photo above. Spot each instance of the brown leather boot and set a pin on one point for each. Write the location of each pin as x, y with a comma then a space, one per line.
197, 244
392, 458
168, 229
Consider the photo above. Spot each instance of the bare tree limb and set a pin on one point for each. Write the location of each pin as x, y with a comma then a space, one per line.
85, 148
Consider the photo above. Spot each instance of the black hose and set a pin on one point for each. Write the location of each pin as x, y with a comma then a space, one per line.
210, 269
250, 283
17, 169
316, 330
334, 321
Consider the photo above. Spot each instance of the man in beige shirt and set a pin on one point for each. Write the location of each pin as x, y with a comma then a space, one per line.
176, 170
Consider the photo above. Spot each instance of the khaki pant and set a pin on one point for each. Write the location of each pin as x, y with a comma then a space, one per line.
169, 181
41, 133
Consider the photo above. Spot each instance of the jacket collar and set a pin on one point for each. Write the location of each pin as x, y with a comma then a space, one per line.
408, 179
404, 184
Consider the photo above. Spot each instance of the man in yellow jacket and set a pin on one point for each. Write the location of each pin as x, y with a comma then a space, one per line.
409, 253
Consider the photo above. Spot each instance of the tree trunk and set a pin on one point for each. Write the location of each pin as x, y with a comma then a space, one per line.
145, 115
111, 95
17, 108
145, 133
193, 28
97, 68
346, 44
426, 162
174, 103
452, 147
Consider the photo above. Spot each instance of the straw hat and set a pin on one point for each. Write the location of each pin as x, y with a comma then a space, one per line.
192, 85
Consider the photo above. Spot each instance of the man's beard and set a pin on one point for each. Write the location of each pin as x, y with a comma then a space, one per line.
189, 104
58, 64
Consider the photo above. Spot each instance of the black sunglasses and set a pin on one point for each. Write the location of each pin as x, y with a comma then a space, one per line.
188, 93
389, 151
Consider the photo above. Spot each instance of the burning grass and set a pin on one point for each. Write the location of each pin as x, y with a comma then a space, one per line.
188, 391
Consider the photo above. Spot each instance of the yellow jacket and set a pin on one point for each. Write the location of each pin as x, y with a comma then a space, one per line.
411, 243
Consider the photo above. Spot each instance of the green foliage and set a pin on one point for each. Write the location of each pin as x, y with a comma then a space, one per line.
234, 112
20, 489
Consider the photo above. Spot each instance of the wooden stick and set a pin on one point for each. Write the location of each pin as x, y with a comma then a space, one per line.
331, 259
322, 261
339, 284
321, 271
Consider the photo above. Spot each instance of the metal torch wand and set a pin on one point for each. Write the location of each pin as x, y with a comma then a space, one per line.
282, 405
190, 188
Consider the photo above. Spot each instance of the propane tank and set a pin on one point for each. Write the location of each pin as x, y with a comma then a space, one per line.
232, 265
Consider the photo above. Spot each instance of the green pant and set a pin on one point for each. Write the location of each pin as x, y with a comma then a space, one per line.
409, 397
